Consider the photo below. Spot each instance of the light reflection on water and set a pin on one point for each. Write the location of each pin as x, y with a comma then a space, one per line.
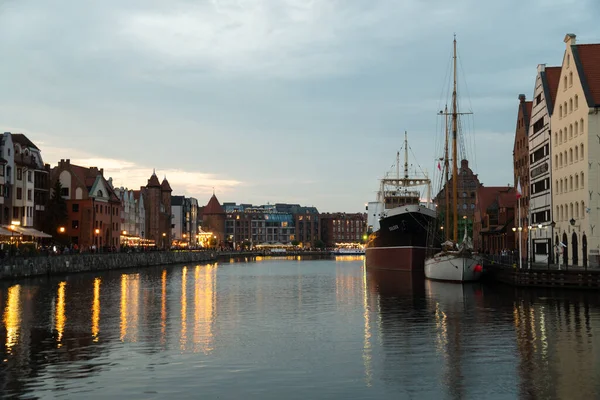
288, 329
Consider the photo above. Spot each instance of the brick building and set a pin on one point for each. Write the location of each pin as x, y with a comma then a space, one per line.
157, 203
521, 165
213, 219
94, 210
494, 219
343, 228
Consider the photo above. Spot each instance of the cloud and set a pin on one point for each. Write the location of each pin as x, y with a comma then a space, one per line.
129, 174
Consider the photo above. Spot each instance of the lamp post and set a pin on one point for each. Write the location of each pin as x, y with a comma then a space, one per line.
164, 235
96, 240
529, 254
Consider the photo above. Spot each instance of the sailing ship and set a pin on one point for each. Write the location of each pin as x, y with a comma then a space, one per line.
456, 262
401, 224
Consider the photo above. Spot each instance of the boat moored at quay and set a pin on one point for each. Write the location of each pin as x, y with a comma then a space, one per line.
402, 226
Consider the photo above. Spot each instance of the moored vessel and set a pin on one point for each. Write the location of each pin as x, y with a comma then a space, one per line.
401, 225
455, 262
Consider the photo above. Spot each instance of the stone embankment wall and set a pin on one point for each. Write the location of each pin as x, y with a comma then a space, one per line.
23, 267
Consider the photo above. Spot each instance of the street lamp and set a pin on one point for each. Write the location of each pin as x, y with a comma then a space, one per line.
552, 225
61, 229
164, 235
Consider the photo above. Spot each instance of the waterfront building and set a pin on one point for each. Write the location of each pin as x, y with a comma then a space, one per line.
93, 208
213, 220
575, 152
468, 183
540, 164
25, 188
343, 228
521, 170
185, 221
133, 215
494, 219
157, 204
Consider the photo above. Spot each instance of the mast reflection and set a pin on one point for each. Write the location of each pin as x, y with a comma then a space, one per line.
183, 337
129, 312
163, 308
204, 307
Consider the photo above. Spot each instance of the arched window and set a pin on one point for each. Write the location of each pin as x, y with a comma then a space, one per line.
562, 212
561, 185
555, 138
565, 107
581, 150
571, 156
565, 83
576, 182
100, 193
570, 105
571, 210
560, 114
576, 211
556, 187
565, 157
571, 131
576, 153
582, 181
570, 78
556, 162
560, 137
571, 184
568, 60
581, 126
576, 130
583, 211
561, 160
576, 102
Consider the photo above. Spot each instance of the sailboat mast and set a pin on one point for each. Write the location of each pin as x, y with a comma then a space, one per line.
446, 171
405, 155
454, 155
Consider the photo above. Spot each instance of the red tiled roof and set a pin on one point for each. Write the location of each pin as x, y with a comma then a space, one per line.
487, 195
553, 79
213, 207
528, 106
588, 58
136, 194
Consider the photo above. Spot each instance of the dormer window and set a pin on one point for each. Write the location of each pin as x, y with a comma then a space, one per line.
100, 193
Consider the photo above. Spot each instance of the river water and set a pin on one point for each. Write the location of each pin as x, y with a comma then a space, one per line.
289, 328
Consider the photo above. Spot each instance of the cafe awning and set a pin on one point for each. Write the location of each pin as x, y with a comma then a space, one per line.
21, 230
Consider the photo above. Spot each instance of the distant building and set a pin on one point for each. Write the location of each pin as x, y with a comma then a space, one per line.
185, 220
157, 203
94, 210
540, 170
521, 167
133, 213
494, 219
467, 185
213, 219
343, 228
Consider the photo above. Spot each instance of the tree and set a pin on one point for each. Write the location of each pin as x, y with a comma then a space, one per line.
295, 242
56, 211
319, 244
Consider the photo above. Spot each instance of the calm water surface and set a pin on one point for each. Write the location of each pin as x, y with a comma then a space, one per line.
291, 329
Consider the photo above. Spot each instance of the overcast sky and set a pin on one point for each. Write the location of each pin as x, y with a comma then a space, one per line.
301, 101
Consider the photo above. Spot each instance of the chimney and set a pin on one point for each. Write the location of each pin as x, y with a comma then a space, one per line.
570, 39
522, 98
68, 161
541, 68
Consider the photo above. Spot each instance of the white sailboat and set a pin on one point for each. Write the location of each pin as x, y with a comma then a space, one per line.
455, 262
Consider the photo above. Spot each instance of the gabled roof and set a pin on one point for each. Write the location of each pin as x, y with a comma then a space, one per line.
486, 196
550, 80
23, 140
587, 60
213, 207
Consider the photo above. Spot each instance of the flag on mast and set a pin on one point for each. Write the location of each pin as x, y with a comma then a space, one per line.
439, 166
519, 192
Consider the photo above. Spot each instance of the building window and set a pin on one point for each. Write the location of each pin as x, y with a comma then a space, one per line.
570, 105
570, 79
538, 99
1, 170
29, 176
19, 174
582, 181
576, 130
75, 207
581, 126
75, 224
28, 194
576, 102
565, 83
64, 192
19, 193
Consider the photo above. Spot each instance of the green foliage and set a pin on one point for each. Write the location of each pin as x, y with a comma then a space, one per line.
319, 244
56, 214
295, 242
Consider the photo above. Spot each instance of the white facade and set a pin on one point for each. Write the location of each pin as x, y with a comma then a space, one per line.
177, 221
576, 163
540, 168
133, 213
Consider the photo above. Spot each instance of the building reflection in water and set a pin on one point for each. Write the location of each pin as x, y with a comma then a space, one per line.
204, 307
12, 317
60, 318
183, 332
96, 309
129, 312
163, 307
367, 348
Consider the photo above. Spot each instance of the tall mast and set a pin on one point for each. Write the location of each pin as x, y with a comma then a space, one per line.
446, 171
398, 165
454, 155
405, 155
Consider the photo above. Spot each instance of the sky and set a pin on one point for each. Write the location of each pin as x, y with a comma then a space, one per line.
271, 101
